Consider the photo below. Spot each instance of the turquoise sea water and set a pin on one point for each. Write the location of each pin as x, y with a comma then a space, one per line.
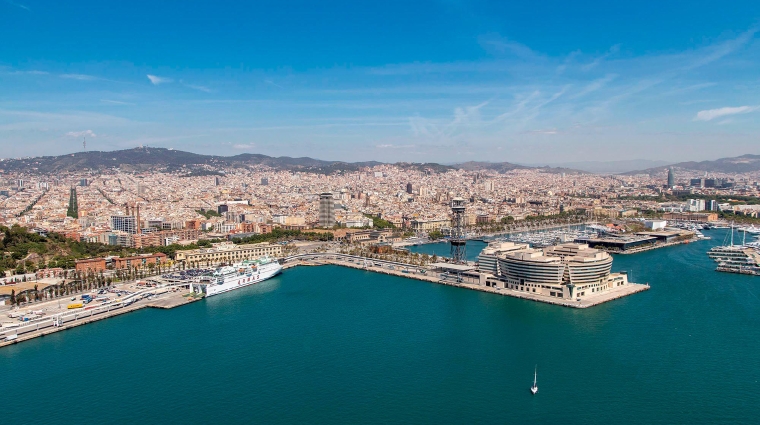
443, 249
334, 345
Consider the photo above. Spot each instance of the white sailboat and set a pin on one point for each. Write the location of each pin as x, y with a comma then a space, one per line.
534, 388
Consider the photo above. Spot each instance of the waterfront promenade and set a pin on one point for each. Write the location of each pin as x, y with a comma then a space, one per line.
164, 298
414, 272
172, 295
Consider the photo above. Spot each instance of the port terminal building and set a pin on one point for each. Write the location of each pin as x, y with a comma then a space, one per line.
228, 252
612, 243
566, 271
624, 243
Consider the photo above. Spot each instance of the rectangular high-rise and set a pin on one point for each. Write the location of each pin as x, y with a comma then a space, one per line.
326, 210
124, 223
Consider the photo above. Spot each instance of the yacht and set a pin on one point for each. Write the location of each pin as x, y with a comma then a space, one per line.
735, 258
534, 388
750, 229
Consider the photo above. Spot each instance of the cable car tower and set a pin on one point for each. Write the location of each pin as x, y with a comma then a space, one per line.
458, 242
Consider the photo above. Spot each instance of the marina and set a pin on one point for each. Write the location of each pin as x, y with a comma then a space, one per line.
284, 338
741, 258
181, 288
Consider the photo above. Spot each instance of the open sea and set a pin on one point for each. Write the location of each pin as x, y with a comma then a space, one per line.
342, 346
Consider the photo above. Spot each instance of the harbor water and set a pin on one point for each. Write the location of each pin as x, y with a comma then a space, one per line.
343, 346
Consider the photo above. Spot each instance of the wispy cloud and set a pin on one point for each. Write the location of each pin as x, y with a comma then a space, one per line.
568, 60
244, 146
31, 72
272, 83
391, 146
718, 51
19, 5
594, 86
156, 80
199, 88
499, 45
613, 50
710, 114
115, 102
85, 133
550, 131
79, 77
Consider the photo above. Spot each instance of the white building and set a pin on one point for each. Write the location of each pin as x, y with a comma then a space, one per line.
696, 205
655, 224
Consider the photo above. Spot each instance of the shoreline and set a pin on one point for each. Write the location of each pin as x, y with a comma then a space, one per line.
46, 325
610, 295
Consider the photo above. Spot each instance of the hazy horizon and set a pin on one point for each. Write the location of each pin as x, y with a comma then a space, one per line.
598, 167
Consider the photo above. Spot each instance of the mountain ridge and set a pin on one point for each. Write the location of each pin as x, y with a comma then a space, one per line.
736, 164
145, 158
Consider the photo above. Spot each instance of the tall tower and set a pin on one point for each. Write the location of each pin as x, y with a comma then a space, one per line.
671, 178
137, 218
458, 242
73, 210
326, 210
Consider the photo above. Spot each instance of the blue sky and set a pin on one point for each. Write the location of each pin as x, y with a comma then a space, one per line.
444, 81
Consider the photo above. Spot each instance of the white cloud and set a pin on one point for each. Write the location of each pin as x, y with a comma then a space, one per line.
244, 146
614, 49
272, 83
389, 146
199, 88
80, 77
115, 102
18, 5
32, 72
155, 80
78, 134
595, 85
548, 132
710, 114
496, 44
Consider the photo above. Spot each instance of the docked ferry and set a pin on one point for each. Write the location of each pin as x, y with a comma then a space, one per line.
236, 276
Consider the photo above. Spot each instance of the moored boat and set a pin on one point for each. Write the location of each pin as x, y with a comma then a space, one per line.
236, 276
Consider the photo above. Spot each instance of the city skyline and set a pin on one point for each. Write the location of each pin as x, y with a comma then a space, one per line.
468, 82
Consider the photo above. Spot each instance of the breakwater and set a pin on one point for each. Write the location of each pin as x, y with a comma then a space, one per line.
410, 271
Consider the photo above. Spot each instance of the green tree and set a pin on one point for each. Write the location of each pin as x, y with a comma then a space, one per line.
435, 234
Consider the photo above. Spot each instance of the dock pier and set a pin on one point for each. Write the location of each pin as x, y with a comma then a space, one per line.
410, 271
163, 298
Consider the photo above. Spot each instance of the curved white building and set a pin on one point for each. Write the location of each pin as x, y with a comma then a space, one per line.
565, 271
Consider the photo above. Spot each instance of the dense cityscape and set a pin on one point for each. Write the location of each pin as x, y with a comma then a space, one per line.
435, 212
160, 208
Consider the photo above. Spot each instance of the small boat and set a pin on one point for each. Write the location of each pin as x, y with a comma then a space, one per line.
534, 388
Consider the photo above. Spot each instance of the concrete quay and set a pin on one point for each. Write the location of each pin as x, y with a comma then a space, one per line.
653, 247
165, 298
412, 272
47, 325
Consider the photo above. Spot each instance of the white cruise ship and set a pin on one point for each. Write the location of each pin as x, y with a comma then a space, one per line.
236, 276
